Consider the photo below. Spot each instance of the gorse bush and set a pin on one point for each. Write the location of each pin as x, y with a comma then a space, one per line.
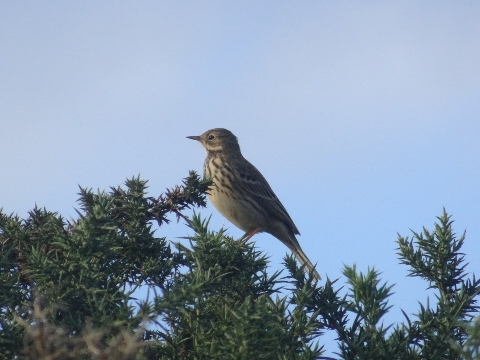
66, 290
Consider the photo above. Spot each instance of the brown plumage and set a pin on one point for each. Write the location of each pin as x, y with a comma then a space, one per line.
243, 196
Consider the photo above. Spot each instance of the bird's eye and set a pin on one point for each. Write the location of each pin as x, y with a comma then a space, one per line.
211, 137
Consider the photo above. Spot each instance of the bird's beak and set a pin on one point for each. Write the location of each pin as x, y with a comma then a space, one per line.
194, 137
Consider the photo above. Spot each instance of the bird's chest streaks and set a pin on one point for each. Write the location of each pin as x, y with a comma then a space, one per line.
226, 197
222, 176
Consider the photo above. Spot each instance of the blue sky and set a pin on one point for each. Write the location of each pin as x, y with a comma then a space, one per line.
364, 117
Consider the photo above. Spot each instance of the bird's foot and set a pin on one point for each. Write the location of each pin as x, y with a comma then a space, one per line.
249, 234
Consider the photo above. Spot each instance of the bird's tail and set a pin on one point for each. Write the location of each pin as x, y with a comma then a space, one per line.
304, 261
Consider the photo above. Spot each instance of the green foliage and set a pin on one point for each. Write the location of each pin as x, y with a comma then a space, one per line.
84, 272
470, 349
436, 257
66, 290
222, 306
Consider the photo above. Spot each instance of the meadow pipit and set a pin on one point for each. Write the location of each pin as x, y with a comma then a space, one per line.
243, 196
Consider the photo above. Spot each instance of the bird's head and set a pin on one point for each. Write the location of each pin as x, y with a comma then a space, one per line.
218, 140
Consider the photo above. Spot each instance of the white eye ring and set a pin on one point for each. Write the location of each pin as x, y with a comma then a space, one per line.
211, 137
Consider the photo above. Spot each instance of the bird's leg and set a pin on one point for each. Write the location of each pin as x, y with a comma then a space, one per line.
249, 234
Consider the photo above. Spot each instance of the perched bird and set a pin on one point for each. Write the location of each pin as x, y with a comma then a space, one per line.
243, 196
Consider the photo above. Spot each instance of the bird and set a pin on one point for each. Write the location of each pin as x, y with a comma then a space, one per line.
243, 196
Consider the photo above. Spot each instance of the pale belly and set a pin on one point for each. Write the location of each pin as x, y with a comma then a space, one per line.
238, 212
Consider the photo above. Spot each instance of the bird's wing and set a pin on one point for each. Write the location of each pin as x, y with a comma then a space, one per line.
257, 187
